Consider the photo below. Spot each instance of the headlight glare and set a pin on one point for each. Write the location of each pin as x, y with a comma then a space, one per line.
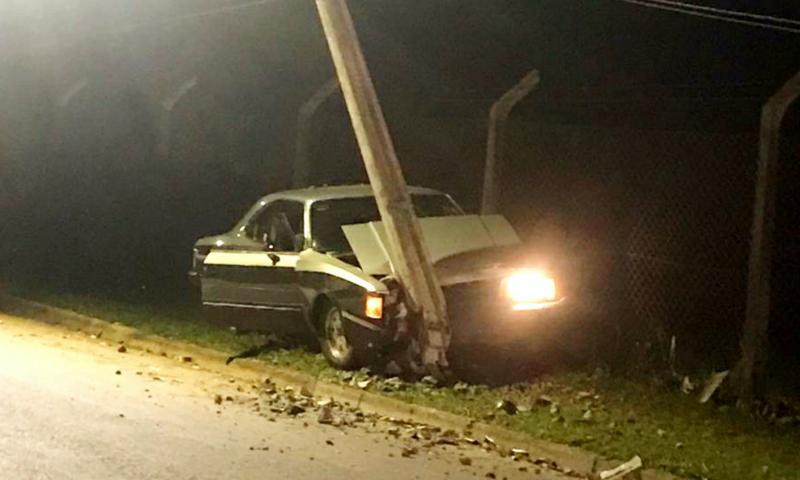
530, 286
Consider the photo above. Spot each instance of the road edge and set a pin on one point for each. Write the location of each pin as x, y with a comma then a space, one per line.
567, 457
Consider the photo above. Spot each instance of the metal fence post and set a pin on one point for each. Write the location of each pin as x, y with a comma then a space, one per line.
754, 335
494, 154
164, 127
305, 122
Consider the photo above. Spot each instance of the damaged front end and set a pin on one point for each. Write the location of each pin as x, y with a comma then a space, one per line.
499, 297
495, 293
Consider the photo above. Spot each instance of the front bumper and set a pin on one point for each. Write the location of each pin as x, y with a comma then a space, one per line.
502, 326
369, 335
477, 323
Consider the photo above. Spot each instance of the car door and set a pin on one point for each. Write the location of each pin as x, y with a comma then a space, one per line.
256, 279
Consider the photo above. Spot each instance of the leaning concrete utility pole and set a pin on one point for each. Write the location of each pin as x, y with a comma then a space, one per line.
305, 131
754, 335
407, 251
494, 145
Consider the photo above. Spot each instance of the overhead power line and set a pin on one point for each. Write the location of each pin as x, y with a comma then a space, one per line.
732, 13
132, 27
200, 14
713, 16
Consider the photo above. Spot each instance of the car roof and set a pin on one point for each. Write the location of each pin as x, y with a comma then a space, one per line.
313, 194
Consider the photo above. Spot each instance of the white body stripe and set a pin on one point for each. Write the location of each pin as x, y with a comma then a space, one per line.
311, 261
250, 259
306, 261
252, 306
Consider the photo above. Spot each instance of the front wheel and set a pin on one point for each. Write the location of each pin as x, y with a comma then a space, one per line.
337, 348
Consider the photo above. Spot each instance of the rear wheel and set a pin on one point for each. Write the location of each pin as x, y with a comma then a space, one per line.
338, 349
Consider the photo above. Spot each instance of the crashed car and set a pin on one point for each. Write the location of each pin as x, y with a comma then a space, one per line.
314, 263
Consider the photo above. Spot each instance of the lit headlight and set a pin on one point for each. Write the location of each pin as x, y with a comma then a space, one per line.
528, 288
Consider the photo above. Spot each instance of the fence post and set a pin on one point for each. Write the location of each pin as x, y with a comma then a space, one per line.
754, 335
68, 94
62, 102
164, 127
407, 251
305, 122
494, 143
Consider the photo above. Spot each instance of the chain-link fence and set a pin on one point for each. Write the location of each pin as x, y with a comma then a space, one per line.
657, 220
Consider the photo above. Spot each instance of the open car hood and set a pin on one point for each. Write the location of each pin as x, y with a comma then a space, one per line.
445, 237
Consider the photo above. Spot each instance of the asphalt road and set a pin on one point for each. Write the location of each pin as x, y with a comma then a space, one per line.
73, 407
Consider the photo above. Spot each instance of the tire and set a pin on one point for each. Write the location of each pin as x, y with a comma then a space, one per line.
337, 348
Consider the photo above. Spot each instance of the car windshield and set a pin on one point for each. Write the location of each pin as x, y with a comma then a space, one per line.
328, 217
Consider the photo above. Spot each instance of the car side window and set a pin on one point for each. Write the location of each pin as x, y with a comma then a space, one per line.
279, 226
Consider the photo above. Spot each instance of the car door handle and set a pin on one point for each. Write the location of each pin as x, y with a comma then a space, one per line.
275, 259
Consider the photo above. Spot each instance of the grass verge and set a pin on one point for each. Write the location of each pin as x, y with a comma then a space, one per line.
615, 417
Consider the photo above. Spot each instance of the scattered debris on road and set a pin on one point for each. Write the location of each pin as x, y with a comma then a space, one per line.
518, 454
122, 349
630, 470
393, 384
325, 416
507, 406
409, 451
461, 387
687, 386
712, 385
583, 395
415, 438
363, 384
306, 392
430, 381
295, 409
